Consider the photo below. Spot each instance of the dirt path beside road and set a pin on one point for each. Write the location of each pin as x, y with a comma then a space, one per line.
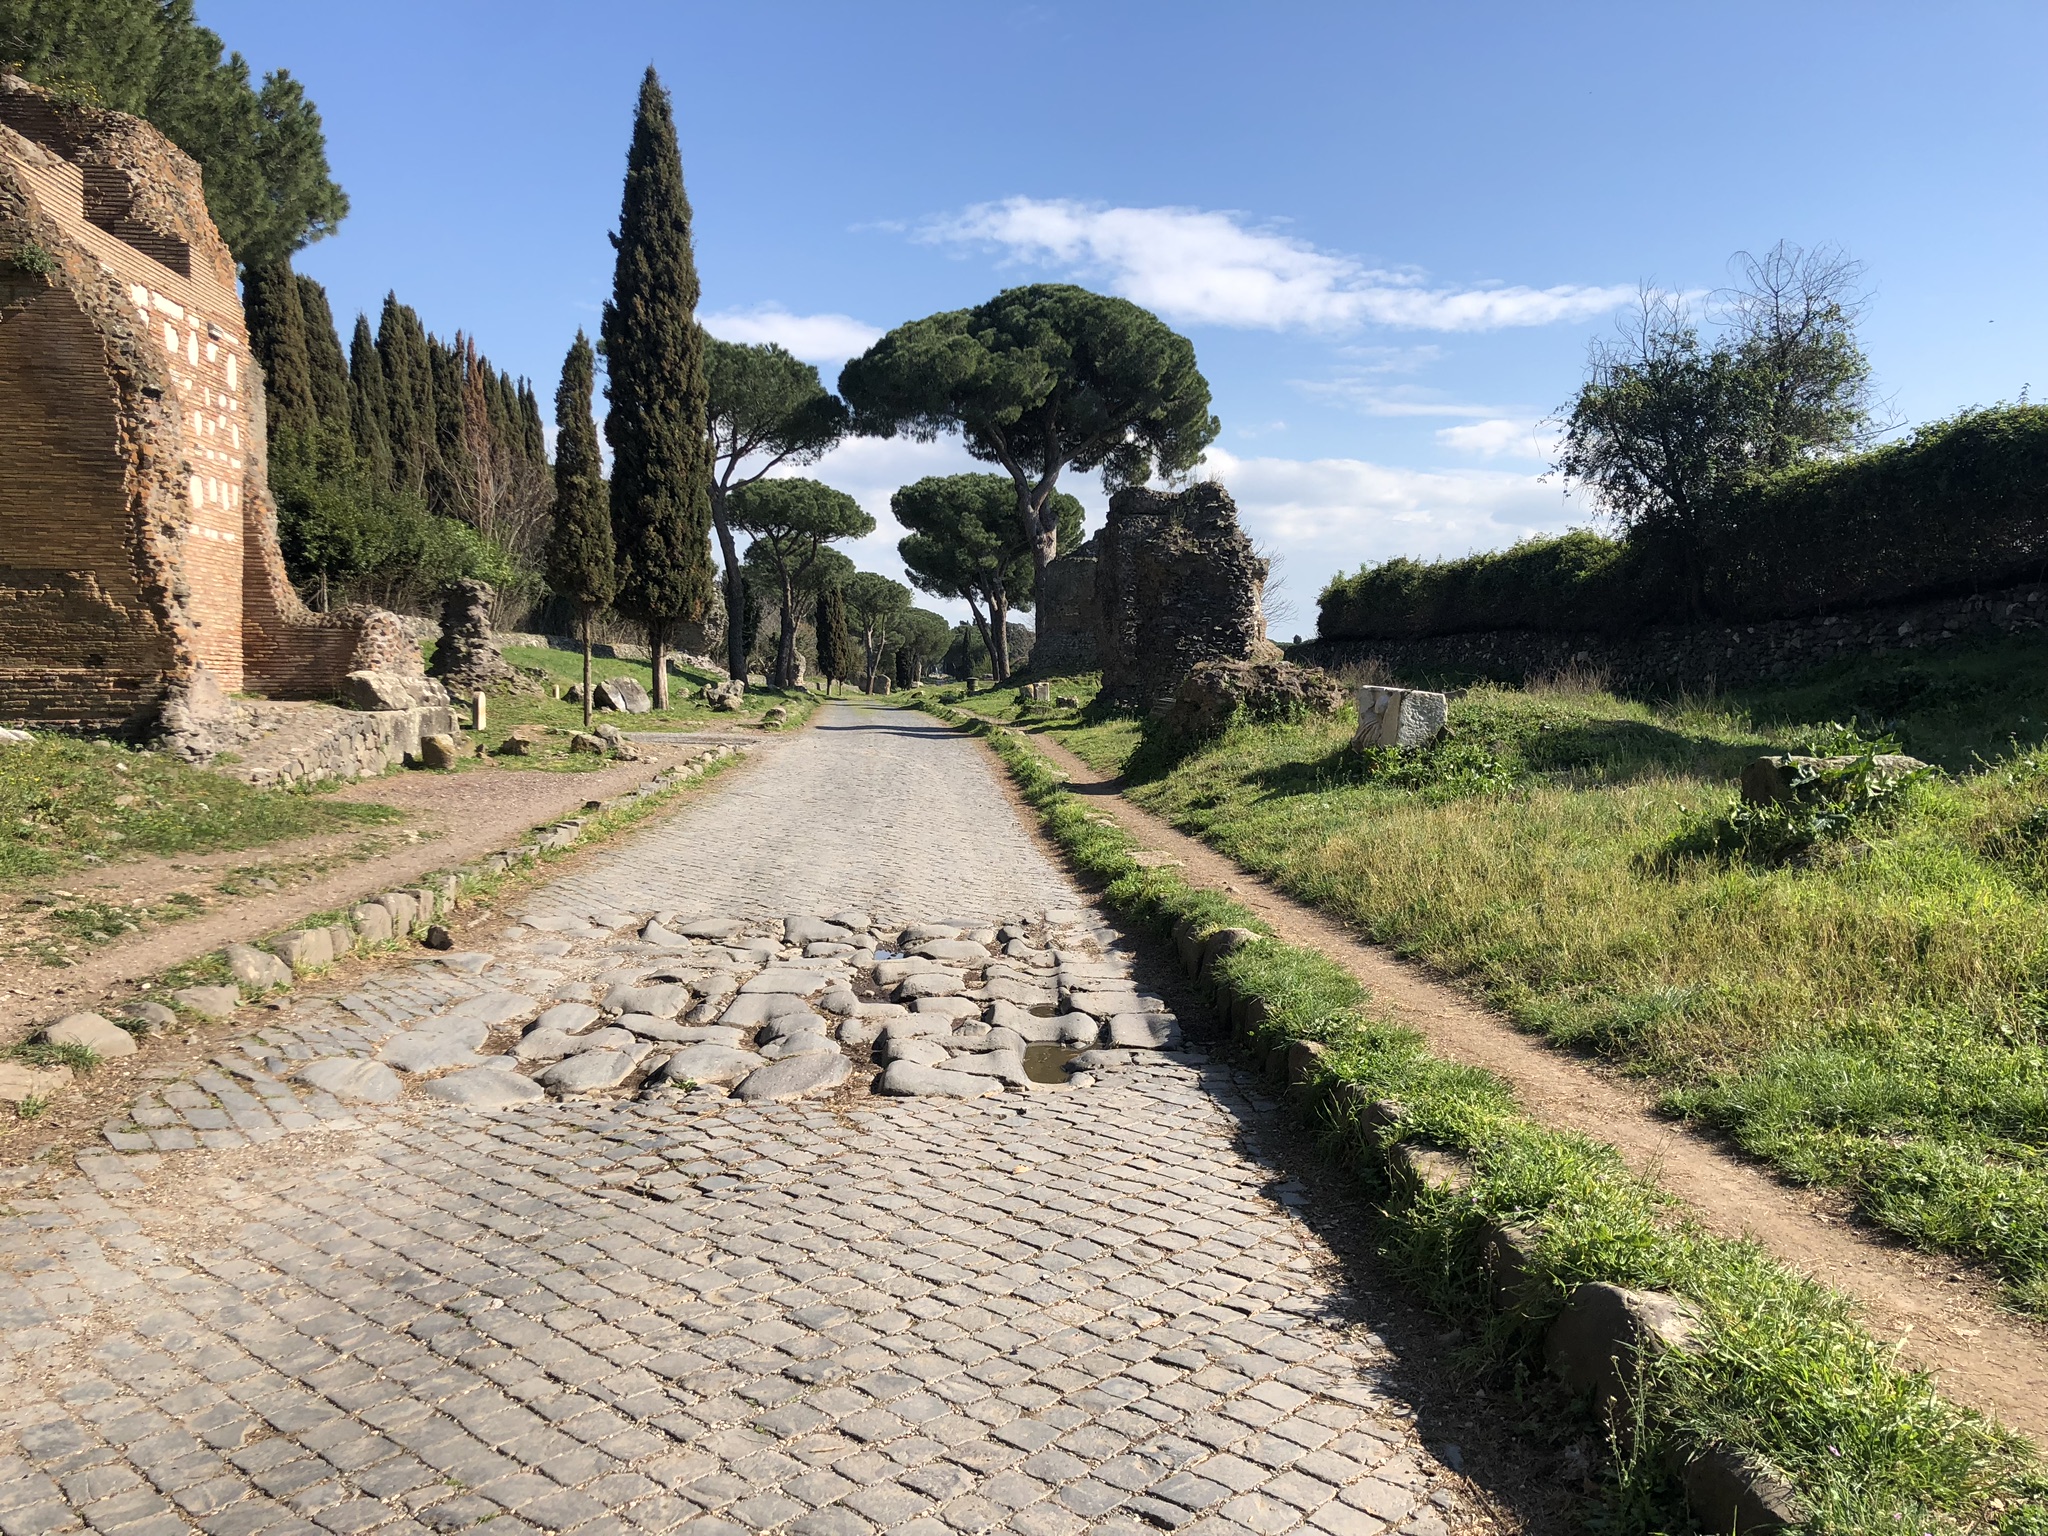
1944, 1316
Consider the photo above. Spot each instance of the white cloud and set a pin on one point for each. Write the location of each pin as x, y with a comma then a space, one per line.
1323, 516
1502, 437
1201, 266
820, 339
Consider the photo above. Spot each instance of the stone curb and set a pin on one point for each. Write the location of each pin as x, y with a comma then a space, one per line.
268, 963
1605, 1333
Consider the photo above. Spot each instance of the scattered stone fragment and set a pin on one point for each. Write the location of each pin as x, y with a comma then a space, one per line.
470, 962
351, 1079
212, 1002
154, 1018
908, 1079
484, 1088
20, 1083
438, 751
795, 1076
96, 1034
438, 938
255, 969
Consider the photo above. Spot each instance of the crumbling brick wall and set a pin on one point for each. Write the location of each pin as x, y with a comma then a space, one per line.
1176, 583
138, 541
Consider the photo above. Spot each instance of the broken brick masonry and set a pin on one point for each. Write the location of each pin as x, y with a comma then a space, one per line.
140, 576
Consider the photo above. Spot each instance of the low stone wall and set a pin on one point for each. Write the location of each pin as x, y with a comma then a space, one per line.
1673, 658
287, 744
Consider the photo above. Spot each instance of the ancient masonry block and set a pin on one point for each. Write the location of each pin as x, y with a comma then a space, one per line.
139, 563
1176, 583
1399, 717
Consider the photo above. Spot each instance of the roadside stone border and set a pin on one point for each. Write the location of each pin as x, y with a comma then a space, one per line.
262, 967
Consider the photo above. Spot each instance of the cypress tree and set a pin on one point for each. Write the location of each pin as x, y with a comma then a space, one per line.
835, 645
369, 403
451, 478
536, 445
277, 337
395, 330
581, 561
658, 421
329, 371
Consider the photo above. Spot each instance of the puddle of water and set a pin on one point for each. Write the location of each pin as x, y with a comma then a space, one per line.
1044, 1010
1045, 1061
885, 954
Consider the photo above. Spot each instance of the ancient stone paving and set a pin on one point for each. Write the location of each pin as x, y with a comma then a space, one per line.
651, 1307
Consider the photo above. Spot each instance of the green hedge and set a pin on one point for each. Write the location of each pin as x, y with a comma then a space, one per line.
1961, 505
1784, 1372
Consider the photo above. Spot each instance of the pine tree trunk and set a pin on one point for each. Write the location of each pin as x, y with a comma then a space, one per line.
657, 648
586, 666
999, 638
785, 642
735, 590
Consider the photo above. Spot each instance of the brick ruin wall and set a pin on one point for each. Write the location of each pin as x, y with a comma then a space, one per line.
138, 541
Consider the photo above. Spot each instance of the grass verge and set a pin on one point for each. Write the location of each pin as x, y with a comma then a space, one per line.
67, 801
1863, 1008
1781, 1371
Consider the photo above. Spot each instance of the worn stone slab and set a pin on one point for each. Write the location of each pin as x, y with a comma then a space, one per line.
432, 1050
794, 1077
488, 1009
910, 1079
213, 1002
484, 1088
663, 1001
706, 1063
97, 1034
569, 1018
1145, 1032
256, 969
759, 1007
589, 1072
352, 1079
793, 983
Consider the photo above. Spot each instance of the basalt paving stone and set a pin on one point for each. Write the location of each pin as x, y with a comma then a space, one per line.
1044, 1312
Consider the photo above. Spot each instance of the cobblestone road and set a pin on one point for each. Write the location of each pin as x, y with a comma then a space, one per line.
1046, 1312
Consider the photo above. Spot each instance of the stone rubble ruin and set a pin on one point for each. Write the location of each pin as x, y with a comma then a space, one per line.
1176, 583
466, 658
141, 583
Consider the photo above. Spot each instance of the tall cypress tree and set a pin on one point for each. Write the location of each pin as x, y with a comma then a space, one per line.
835, 645
369, 403
536, 439
581, 560
408, 441
451, 480
328, 370
657, 424
277, 337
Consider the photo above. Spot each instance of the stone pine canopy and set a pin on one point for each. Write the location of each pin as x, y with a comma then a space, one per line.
140, 574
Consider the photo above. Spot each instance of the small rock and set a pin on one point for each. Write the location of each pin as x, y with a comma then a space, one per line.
438, 938
438, 751
812, 1072
484, 1088
579, 742
351, 1079
155, 1018
623, 694
96, 1034
20, 1082
212, 1002
255, 969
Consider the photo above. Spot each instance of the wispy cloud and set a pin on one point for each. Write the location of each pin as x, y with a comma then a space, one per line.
1201, 266
821, 339
1502, 437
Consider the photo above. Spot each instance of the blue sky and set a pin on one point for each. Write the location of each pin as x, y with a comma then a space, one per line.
1390, 231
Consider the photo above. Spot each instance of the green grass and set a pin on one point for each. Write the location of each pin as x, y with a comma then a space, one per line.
65, 802
686, 710
1871, 1017
1783, 1370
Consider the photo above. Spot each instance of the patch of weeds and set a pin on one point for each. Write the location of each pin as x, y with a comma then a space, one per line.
1449, 770
31, 1108
32, 257
1824, 801
44, 1053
